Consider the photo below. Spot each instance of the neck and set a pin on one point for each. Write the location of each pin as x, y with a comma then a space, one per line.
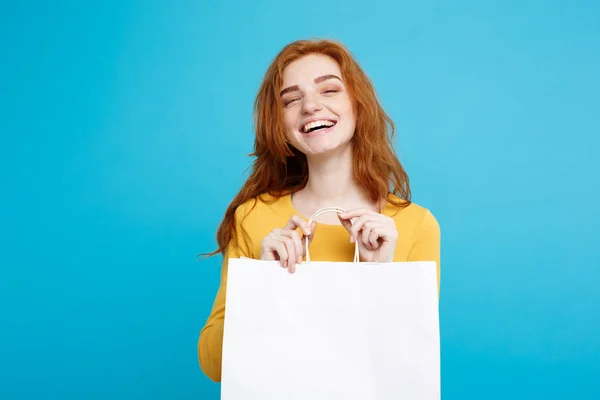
331, 183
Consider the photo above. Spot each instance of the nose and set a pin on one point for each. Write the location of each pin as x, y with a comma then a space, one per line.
311, 104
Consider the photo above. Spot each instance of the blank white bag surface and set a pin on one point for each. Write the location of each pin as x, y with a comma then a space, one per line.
331, 330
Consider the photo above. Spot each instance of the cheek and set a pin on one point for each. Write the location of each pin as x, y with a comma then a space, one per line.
288, 121
289, 124
348, 114
345, 107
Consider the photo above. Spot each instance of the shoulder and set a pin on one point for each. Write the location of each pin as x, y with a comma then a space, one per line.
264, 205
260, 214
411, 217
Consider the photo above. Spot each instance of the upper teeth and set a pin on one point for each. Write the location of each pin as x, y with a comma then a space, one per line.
314, 124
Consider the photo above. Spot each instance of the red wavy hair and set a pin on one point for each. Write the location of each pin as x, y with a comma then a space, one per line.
280, 169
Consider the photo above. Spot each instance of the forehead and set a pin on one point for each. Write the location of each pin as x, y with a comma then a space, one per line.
304, 70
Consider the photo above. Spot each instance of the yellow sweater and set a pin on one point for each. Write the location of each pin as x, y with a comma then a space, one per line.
418, 240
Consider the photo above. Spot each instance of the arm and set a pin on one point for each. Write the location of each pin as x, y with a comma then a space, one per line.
426, 243
210, 345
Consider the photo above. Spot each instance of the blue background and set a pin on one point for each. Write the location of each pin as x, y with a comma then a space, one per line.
125, 129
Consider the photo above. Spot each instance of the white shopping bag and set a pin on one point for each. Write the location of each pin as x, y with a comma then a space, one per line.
331, 330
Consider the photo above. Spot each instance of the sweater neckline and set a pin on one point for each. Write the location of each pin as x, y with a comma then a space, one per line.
288, 200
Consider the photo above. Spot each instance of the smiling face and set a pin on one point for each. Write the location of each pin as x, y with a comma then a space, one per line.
317, 108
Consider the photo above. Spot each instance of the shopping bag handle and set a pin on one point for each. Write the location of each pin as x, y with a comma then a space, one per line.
316, 215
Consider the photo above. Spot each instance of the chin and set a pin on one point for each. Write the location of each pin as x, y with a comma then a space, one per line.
323, 143
324, 146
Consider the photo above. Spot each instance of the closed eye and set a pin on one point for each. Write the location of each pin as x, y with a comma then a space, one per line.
288, 102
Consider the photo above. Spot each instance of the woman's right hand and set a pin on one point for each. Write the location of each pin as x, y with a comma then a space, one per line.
285, 245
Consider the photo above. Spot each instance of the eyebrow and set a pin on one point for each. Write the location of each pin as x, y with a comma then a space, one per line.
317, 80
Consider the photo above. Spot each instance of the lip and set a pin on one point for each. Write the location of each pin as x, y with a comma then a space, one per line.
319, 132
307, 121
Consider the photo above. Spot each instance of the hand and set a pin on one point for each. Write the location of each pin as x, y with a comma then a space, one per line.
286, 245
376, 234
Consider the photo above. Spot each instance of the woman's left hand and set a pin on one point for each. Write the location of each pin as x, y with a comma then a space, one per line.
376, 234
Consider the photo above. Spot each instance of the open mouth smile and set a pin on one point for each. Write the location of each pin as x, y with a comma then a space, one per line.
318, 126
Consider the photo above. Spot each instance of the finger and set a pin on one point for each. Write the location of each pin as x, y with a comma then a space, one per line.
370, 234
366, 232
290, 249
368, 219
346, 223
276, 232
267, 252
297, 242
374, 240
297, 222
269, 249
357, 226
384, 231
313, 228
292, 259
282, 253
292, 267
293, 235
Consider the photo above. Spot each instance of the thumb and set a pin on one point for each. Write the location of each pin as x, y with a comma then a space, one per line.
313, 226
310, 237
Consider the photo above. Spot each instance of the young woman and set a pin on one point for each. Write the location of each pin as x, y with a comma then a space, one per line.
322, 140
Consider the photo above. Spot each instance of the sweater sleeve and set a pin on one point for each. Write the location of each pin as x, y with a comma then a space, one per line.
210, 345
427, 242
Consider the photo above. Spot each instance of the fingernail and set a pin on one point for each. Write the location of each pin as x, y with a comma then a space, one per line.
351, 239
307, 231
299, 260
